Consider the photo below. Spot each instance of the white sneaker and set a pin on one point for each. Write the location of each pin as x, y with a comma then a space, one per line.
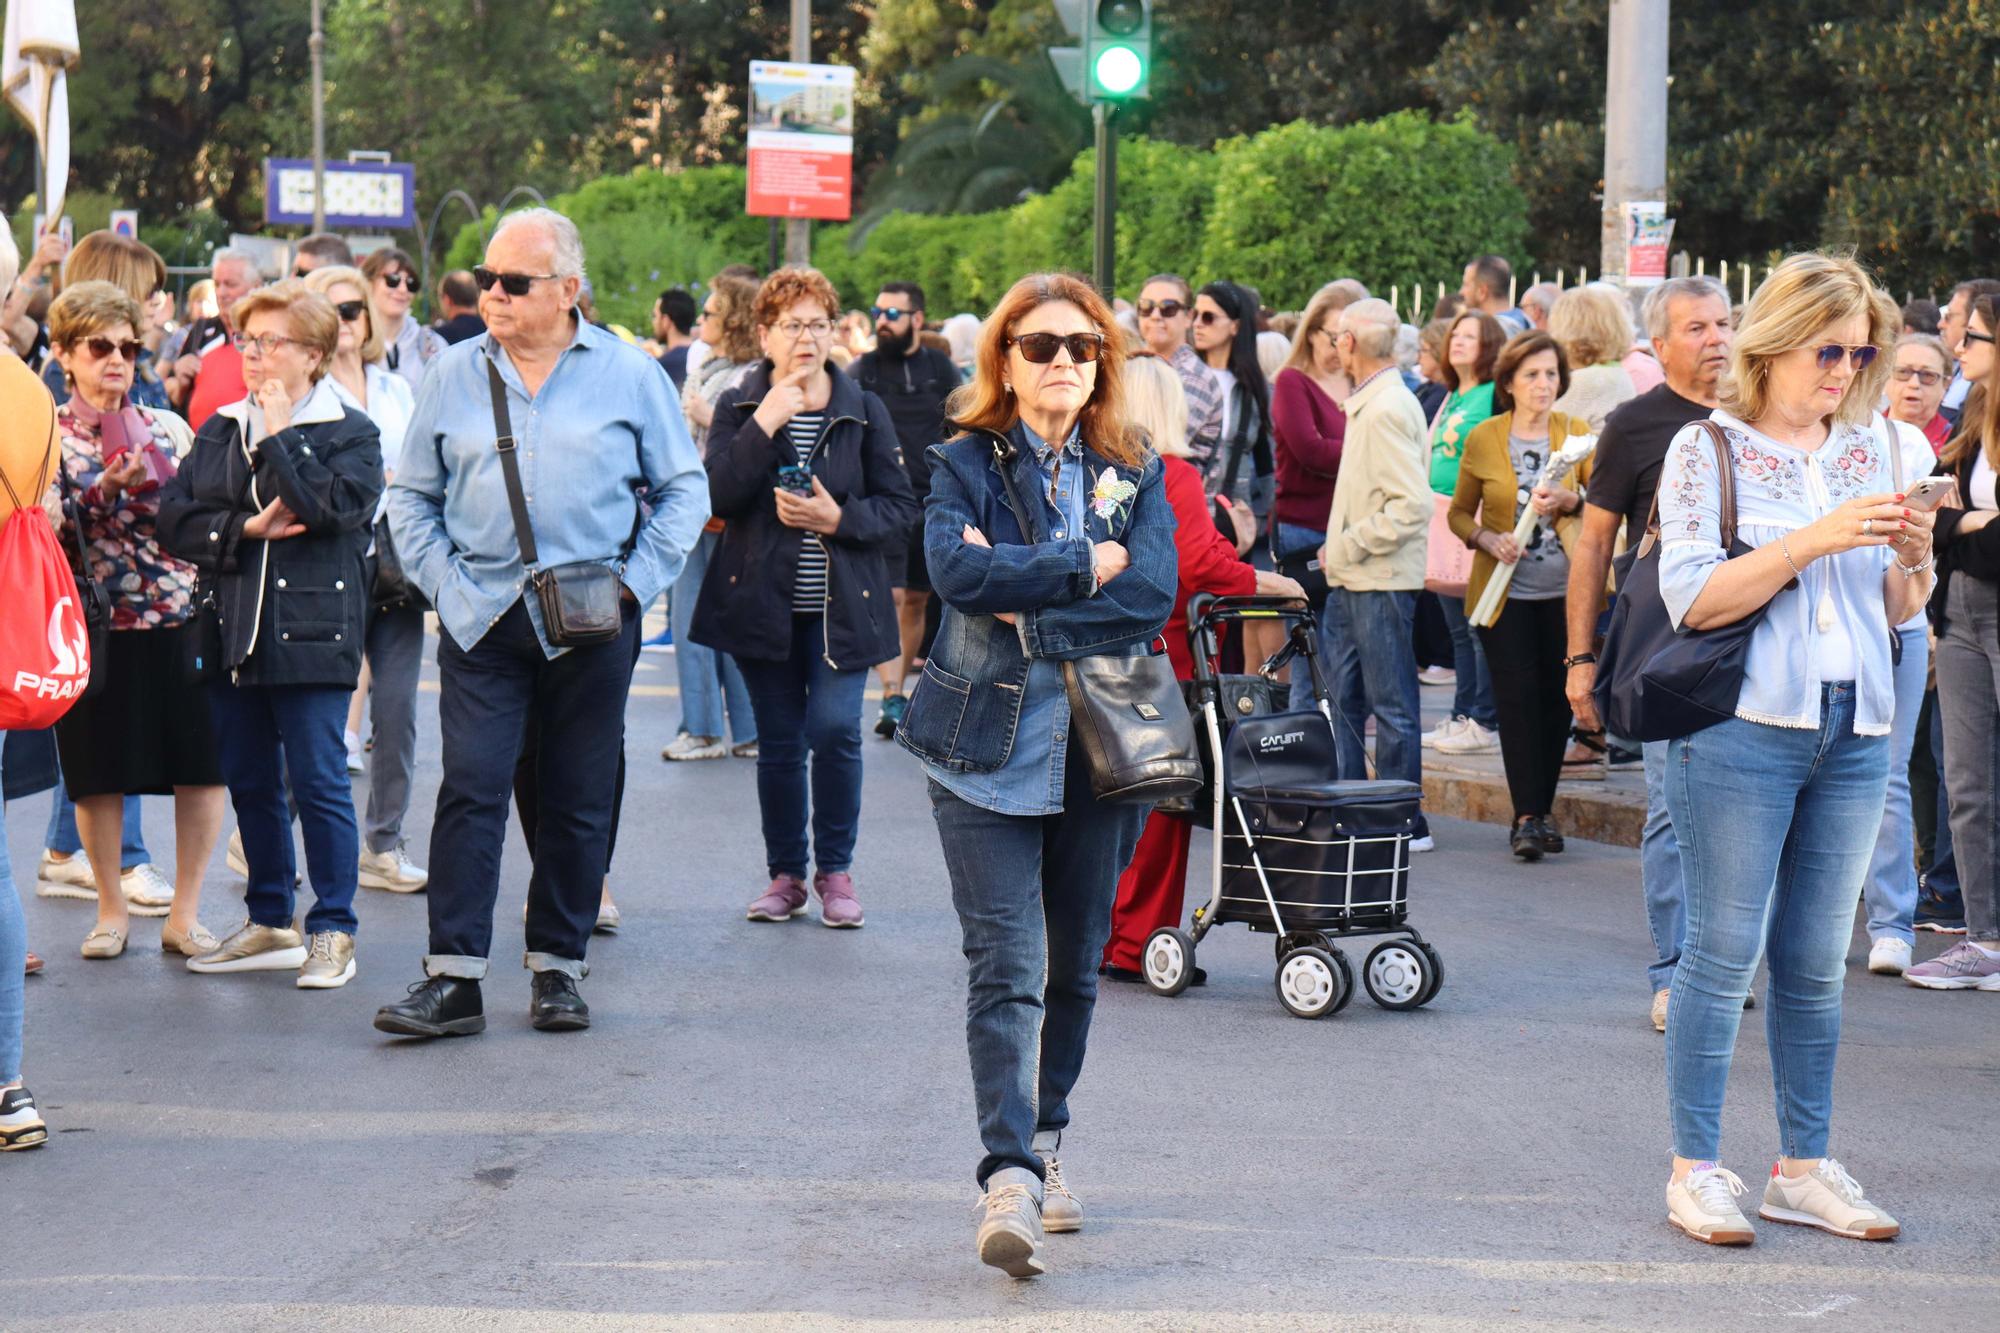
1010, 1231
1469, 739
356, 765
392, 871
687, 746
1702, 1205
1889, 957
147, 892
1437, 675
1449, 727
66, 879
1828, 1198
1424, 844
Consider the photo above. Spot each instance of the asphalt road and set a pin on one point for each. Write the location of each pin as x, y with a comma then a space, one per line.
770, 1127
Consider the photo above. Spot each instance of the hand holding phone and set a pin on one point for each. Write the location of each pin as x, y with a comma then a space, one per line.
1927, 493
797, 480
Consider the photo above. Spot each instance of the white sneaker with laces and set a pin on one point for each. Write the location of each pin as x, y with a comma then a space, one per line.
1828, 1198
392, 871
687, 747
1437, 675
1702, 1205
1449, 727
66, 879
147, 892
1469, 739
1061, 1210
1889, 957
1010, 1229
1424, 844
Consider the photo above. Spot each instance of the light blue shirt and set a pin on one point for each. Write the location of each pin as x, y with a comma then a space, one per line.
602, 435
1779, 490
1031, 781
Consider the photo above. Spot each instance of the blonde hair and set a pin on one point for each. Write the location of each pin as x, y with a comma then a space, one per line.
88, 308
1804, 296
312, 318
105, 256
324, 280
1592, 326
1324, 308
1156, 405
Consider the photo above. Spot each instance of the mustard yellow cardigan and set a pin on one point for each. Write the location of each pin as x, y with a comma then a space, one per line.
1487, 491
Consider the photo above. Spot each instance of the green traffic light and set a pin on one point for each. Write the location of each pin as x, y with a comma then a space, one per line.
1119, 69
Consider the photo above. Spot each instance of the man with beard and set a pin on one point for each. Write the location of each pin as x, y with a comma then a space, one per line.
913, 382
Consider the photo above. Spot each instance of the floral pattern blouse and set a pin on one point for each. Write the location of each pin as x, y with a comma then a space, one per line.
148, 588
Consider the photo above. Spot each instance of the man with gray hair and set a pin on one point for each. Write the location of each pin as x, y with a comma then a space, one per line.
539, 454
1374, 555
1538, 301
1689, 324
209, 372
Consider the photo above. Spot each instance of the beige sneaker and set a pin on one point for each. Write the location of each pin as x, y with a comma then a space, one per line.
1702, 1204
1010, 1230
66, 879
1470, 738
1660, 1010
253, 948
1061, 1210
147, 892
1828, 1198
329, 961
392, 872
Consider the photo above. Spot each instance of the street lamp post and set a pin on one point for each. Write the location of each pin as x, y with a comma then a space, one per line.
798, 231
317, 44
1635, 119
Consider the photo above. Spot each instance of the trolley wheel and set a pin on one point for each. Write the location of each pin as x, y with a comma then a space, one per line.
1437, 973
1398, 975
1168, 961
1309, 982
1346, 978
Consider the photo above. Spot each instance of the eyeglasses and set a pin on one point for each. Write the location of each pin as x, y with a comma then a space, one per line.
1207, 317
1972, 337
265, 343
1164, 309
1927, 378
393, 281
514, 284
104, 348
794, 329
349, 311
888, 312
1041, 348
1833, 354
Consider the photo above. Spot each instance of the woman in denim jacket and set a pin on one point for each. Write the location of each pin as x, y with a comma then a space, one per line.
1034, 858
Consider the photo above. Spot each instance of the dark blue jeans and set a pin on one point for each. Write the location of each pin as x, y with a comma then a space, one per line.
265, 734
1034, 897
486, 696
806, 708
1375, 662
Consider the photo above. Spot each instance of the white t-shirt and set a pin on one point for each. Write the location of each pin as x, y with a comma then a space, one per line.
1225, 383
1982, 496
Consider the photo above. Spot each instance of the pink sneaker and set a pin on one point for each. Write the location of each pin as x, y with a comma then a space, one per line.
785, 899
1964, 966
838, 907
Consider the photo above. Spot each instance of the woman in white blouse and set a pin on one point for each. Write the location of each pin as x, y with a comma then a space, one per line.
1776, 809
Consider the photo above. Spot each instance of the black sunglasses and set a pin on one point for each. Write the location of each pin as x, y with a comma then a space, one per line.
103, 348
1972, 337
398, 280
1206, 317
349, 311
1165, 309
514, 284
1041, 348
1832, 354
887, 312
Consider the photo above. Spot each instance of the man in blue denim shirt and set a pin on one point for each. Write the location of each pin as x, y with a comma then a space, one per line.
610, 476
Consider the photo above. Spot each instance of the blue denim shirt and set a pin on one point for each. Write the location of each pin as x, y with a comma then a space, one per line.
603, 436
1031, 781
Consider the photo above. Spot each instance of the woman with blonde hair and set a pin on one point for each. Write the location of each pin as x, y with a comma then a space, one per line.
1776, 809
136, 269
1033, 855
1595, 332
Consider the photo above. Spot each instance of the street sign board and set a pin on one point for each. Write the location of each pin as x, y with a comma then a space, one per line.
801, 140
358, 194
1648, 234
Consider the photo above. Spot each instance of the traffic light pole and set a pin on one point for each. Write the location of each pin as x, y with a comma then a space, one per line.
1105, 230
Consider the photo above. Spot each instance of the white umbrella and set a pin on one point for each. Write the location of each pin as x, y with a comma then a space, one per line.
41, 47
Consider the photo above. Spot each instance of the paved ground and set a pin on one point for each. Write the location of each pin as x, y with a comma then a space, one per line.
770, 1127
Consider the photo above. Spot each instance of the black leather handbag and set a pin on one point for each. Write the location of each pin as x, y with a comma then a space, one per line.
391, 587
1655, 683
1128, 713
579, 601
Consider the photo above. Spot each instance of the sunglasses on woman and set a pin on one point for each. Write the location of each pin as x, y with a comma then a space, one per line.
1833, 354
1041, 348
349, 311
514, 284
1164, 309
104, 348
1207, 317
396, 281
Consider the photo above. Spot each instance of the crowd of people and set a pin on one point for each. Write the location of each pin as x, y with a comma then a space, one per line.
285, 492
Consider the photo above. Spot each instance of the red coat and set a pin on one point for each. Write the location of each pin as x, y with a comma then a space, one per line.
1208, 560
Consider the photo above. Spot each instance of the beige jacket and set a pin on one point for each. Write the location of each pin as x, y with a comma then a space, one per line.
1381, 515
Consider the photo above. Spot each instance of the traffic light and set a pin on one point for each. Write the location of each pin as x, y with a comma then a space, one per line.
1112, 60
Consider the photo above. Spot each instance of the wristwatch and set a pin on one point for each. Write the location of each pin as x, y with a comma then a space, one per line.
1581, 659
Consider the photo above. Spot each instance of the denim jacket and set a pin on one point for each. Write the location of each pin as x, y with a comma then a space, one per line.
966, 710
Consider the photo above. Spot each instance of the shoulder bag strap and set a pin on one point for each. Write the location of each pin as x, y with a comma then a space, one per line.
1003, 458
503, 441
1727, 468
1895, 454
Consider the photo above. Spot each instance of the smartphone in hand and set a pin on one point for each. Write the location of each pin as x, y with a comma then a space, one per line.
1928, 493
797, 480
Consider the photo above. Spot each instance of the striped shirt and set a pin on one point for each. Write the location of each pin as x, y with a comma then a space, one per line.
809, 592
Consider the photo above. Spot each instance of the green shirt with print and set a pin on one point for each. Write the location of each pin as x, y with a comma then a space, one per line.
1462, 410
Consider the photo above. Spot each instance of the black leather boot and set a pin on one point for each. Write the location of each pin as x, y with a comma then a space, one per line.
437, 1007
556, 1006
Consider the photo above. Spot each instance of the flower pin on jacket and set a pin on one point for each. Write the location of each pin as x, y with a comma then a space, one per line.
1111, 496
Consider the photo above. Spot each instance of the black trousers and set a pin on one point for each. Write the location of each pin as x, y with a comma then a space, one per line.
1524, 650
528, 789
490, 695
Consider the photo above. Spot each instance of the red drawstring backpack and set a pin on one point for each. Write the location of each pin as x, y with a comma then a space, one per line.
44, 638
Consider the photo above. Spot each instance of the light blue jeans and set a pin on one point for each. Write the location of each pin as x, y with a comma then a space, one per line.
1776, 826
710, 681
1375, 670
1660, 871
64, 840
1891, 890
13, 965
1293, 537
1472, 696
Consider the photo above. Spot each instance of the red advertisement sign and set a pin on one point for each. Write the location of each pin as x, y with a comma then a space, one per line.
801, 140
791, 183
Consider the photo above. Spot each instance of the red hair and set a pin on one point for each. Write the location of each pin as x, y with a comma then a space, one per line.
986, 404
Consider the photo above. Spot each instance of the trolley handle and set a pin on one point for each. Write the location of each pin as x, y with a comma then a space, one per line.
1206, 611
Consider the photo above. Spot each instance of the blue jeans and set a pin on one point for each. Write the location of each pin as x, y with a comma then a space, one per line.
710, 680
1375, 669
265, 736
1660, 871
1473, 695
63, 839
13, 962
1034, 896
805, 707
1292, 538
1776, 826
1891, 887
